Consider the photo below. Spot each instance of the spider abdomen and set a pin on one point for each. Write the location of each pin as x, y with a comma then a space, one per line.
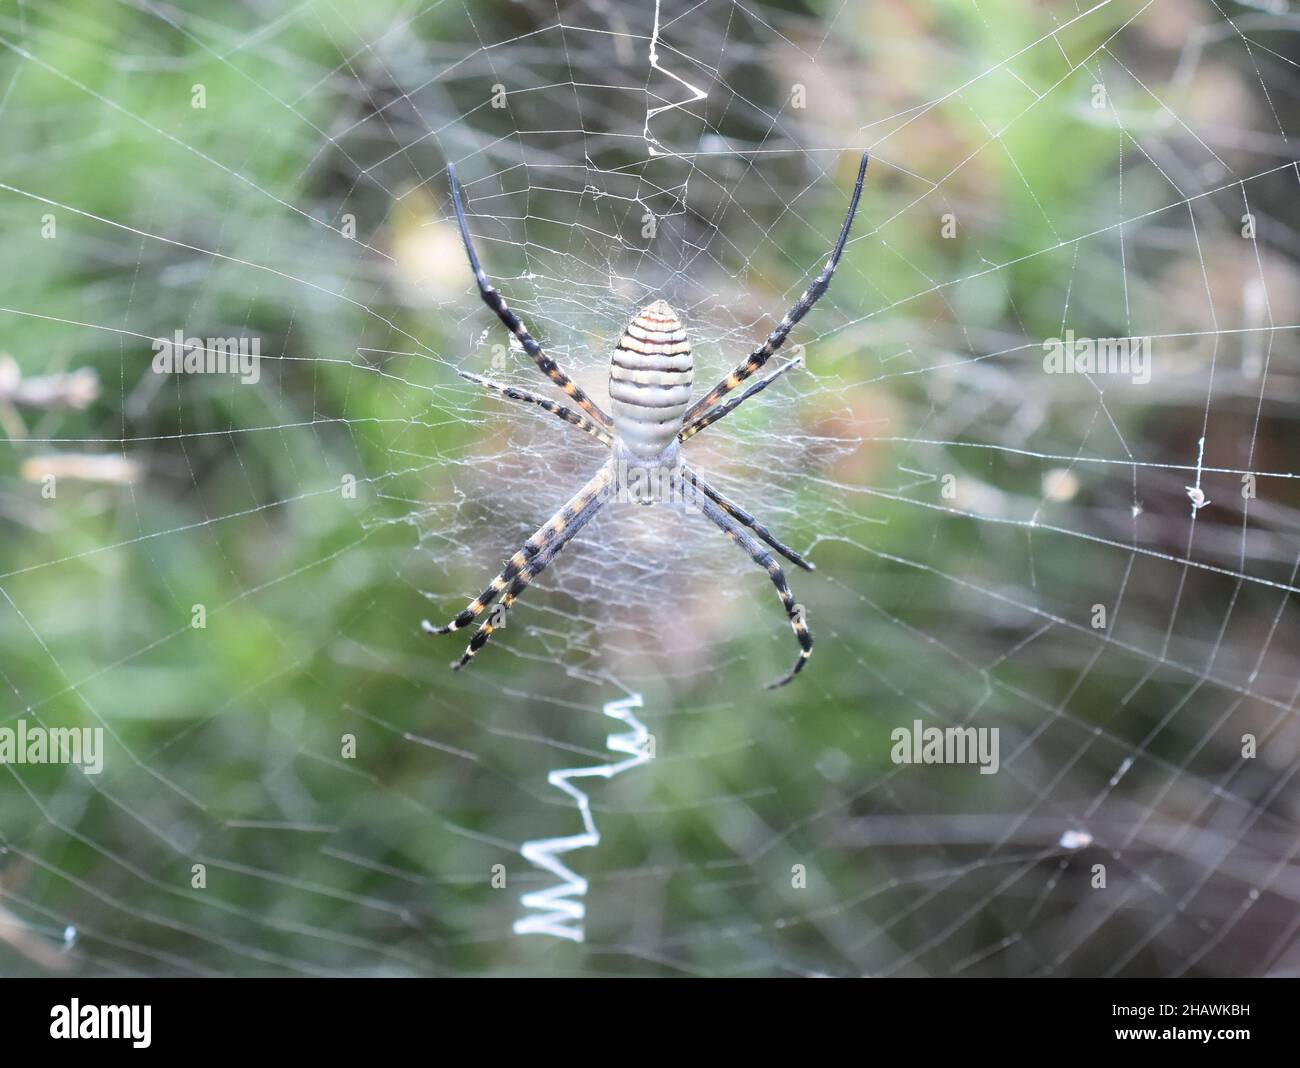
650, 378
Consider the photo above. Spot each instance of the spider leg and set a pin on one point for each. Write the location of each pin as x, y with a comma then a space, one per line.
712, 415
801, 308
493, 299
535, 566
745, 519
594, 491
764, 559
567, 414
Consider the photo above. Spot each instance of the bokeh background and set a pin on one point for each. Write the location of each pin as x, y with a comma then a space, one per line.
279, 172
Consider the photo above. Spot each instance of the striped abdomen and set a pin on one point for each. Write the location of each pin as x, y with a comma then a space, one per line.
650, 376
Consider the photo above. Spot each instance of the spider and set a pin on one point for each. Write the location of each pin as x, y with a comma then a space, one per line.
650, 376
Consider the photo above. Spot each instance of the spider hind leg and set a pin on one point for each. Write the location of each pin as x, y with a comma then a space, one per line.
494, 300
525, 396
802, 307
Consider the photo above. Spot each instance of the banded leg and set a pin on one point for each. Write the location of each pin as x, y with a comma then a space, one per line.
801, 308
567, 414
596, 489
745, 519
764, 559
712, 415
530, 571
493, 299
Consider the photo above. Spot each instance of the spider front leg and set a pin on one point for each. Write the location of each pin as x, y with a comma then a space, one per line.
529, 562
764, 559
801, 308
745, 519
534, 567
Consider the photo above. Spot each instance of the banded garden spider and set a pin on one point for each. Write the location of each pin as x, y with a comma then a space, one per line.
650, 376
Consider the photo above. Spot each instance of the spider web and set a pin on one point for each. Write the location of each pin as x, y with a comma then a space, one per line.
1119, 170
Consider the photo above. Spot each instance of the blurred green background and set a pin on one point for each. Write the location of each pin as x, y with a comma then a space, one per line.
280, 173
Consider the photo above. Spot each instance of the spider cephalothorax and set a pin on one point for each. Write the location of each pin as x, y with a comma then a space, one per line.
650, 378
